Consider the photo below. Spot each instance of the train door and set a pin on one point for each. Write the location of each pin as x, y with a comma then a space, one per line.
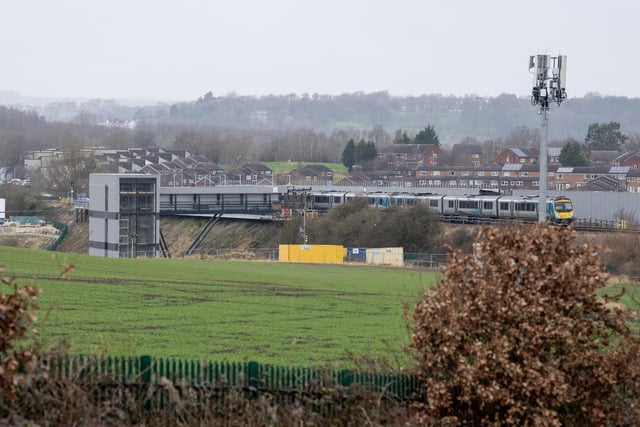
505, 209
449, 206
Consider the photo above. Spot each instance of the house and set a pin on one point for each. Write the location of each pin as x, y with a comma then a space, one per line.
628, 158
602, 157
553, 155
362, 179
466, 155
431, 155
517, 155
573, 178
410, 154
311, 174
633, 181
603, 183
250, 174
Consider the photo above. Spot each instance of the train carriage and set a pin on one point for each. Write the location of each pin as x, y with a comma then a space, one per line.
375, 200
325, 200
403, 199
432, 201
467, 208
472, 208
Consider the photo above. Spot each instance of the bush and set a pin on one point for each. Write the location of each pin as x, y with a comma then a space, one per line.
515, 335
356, 224
14, 323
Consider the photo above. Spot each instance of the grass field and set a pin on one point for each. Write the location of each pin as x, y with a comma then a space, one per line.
286, 314
339, 170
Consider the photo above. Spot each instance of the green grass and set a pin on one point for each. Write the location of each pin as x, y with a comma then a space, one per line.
287, 314
339, 170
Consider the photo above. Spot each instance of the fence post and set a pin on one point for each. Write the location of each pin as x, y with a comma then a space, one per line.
253, 374
346, 377
145, 369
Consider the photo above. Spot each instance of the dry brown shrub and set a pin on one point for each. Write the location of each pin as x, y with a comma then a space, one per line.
15, 323
103, 402
517, 336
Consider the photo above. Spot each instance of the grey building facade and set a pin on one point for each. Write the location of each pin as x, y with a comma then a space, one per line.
124, 215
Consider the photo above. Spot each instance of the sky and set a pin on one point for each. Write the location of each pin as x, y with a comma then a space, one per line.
180, 50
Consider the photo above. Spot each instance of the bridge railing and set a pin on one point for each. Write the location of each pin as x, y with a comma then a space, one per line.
246, 206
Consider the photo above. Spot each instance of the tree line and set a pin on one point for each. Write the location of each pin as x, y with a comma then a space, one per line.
26, 131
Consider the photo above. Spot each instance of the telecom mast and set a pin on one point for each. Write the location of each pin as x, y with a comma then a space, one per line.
549, 80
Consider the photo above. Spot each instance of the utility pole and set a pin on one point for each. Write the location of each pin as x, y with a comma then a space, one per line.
549, 82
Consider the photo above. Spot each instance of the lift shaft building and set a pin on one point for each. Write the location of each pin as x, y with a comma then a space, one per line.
124, 215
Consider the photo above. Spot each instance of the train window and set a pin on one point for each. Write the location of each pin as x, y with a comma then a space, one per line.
525, 206
468, 204
504, 206
434, 203
451, 204
487, 205
564, 206
336, 200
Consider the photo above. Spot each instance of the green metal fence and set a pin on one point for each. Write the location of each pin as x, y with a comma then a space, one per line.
254, 375
64, 230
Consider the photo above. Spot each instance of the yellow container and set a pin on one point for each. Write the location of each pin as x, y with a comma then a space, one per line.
319, 254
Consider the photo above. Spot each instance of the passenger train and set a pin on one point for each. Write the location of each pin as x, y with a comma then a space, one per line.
466, 208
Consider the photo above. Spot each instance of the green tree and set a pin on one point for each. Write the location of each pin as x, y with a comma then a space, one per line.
20, 200
349, 155
604, 136
415, 228
357, 224
515, 334
351, 224
402, 137
365, 152
572, 154
427, 136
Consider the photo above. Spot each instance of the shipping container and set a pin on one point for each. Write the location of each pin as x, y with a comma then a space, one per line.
323, 254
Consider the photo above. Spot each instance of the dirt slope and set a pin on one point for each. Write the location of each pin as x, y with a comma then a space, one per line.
180, 233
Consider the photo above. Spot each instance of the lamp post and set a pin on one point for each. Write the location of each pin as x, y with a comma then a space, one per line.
549, 79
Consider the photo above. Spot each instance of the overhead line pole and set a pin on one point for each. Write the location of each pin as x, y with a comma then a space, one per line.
549, 80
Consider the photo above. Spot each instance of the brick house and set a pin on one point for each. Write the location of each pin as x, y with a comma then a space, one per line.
517, 155
310, 174
410, 154
628, 158
466, 155
602, 157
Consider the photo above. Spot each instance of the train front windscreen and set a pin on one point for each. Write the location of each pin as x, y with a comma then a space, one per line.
564, 206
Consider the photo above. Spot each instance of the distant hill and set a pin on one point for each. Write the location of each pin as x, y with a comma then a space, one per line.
453, 117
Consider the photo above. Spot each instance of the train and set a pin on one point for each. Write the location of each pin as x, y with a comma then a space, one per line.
484, 206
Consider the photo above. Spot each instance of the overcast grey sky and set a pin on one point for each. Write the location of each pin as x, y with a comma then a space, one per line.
179, 50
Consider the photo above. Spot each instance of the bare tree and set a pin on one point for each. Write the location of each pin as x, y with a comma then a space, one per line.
523, 137
71, 170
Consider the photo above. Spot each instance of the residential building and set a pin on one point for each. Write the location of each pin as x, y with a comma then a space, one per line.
466, 155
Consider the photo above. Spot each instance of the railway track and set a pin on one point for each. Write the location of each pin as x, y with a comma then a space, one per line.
581, 224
